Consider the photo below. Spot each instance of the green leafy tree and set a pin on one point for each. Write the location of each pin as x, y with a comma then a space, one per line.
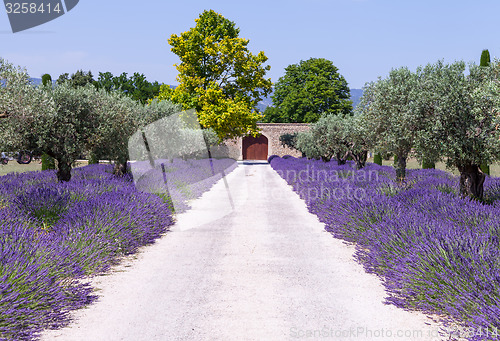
48, 162
308, 90
289, 140
135, 86
377, 158
121, 117
79, 78
218, 76
307, 144
55, 121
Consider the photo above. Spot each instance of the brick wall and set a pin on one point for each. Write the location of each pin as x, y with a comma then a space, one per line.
272, 131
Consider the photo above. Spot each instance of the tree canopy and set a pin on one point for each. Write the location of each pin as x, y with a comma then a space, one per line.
79, 78
136, 86
218, 76
308, 90
462, 119
439, 113
69, 120
390, 107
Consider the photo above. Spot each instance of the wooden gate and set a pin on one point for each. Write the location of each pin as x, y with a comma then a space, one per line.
255, 148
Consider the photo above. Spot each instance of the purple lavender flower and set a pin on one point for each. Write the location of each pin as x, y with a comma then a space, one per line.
433, 250
54, 234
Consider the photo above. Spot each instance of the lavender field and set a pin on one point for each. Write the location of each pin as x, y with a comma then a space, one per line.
433, 250
54, 236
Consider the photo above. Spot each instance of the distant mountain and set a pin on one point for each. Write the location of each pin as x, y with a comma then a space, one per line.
355, 97
36, 81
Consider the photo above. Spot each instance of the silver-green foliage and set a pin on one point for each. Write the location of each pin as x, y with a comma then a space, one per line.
438, 112
327, 138
390, 107
22, 108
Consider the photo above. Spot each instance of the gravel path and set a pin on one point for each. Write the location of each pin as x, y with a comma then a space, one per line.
265, 270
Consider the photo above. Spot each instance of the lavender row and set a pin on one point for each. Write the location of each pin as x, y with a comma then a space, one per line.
434, 250
53, 236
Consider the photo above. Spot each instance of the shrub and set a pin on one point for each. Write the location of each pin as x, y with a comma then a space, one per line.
270, 158
48, 162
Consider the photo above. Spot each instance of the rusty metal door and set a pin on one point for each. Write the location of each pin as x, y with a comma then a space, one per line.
255, 148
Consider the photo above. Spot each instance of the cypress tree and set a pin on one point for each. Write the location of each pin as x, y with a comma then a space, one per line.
47, 161
485, 58
93, 158
428, 165
485, 61
46, 79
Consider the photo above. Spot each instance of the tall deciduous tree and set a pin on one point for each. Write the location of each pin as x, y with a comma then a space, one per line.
218, 76
308, 90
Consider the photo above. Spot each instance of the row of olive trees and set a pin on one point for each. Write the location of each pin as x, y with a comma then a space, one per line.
66, 122
440, 112
336, 136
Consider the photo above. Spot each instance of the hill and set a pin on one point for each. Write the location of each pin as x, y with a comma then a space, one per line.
356, 96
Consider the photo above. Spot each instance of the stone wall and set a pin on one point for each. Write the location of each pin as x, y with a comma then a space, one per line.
272, 131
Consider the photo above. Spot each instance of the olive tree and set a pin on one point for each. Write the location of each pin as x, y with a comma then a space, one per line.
67, 132
119, 118
392, 116
23, 107
462, 121
360, 138
306, 143
326, 138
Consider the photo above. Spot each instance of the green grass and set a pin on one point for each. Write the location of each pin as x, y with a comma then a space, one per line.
35, 165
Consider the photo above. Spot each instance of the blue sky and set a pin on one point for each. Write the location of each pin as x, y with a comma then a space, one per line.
363, 38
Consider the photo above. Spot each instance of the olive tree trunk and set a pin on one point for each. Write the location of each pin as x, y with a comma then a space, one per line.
471, 181
63, 170
341, 160
360, 159
120, 168
400, 166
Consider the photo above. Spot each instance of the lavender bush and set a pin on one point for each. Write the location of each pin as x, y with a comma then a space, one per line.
434, 250
55, 235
